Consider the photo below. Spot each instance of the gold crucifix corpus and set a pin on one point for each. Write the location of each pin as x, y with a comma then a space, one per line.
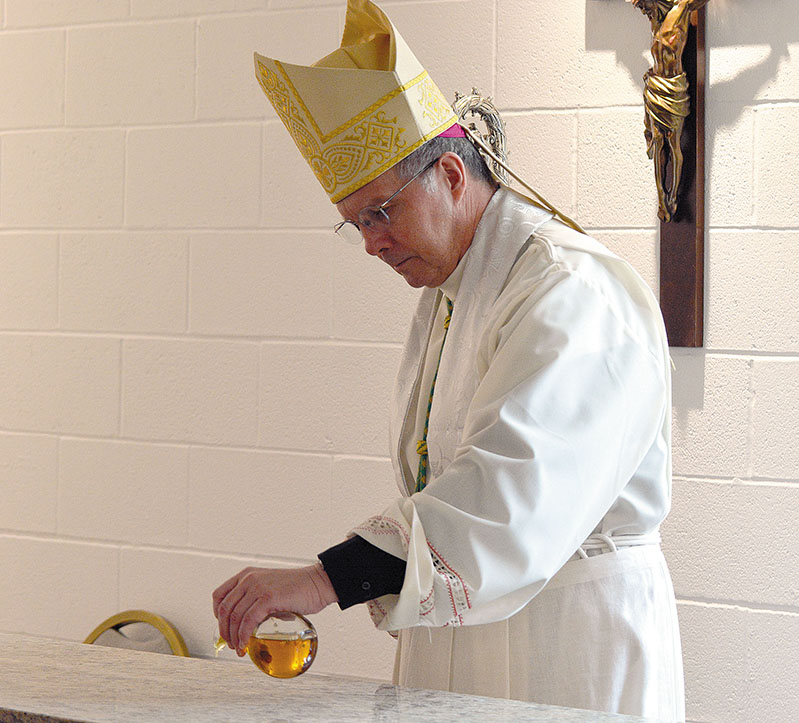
666, 99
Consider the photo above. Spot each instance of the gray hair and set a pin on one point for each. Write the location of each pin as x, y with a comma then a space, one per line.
428, 152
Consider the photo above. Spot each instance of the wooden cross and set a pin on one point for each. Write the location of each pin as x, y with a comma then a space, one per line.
674, 100
682, 240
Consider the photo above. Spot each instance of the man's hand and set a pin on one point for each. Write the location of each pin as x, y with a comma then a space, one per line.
247, 599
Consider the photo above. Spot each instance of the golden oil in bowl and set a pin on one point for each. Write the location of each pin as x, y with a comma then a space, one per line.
282, 655
282, 646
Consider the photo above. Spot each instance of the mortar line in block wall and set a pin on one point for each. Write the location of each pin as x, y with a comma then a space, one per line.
753, 481
333, 282
187, 319
711, 229
753, 169
259, 410
119, 578
261, 171
189, 444
120, 390
754, 229
744, 605
750, 426
187, 498
58, 289
494, 49
179, 337
125, 179
194, 230
575, 184
35, 536
66, 77
127, 546
602, 229
359, 457
775, 355
343, 342
196, 73
511, 112
57, 480
775, 103
409, 2
134, 20
176, 125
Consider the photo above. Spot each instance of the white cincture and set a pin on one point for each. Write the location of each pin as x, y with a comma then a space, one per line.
599, 543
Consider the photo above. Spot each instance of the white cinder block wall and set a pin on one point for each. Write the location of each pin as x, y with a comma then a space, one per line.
194, 373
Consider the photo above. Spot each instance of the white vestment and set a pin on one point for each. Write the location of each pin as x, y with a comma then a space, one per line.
548, 444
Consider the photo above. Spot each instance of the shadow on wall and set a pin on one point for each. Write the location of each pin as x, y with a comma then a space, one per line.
689, 385
731, 24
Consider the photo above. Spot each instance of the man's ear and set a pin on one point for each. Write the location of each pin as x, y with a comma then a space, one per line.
455, 170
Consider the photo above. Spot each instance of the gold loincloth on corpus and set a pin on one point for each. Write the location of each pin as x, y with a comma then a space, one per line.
666, 102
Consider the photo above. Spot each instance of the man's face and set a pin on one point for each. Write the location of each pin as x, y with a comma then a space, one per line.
420, 243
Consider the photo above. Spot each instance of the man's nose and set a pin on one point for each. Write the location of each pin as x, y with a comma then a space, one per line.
375, 241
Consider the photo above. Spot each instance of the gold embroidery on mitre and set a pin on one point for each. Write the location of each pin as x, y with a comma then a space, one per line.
434, 105
379, 143
379, 136
379, 103
345, 160
370, 142
276, 92
363, 180
324, 173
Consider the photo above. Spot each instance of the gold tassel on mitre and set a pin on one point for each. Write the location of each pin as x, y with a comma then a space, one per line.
362, 108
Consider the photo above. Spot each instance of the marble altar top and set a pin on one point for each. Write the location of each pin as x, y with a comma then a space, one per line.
51, 680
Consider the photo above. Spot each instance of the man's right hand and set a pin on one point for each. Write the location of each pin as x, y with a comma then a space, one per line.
248, 598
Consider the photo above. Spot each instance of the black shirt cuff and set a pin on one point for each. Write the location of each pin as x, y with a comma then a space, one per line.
360, 571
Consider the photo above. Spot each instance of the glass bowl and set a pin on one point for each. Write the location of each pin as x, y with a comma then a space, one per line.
283, 646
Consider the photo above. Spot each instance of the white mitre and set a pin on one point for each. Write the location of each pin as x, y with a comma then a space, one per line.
362, 108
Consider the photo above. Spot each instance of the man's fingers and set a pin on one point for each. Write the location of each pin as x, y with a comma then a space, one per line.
219, 594
225, 613
245, 618
248, 598
253, 617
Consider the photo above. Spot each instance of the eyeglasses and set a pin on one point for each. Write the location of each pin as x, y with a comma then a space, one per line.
374, 218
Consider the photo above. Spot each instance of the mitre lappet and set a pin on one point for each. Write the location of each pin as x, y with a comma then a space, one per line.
362, 108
